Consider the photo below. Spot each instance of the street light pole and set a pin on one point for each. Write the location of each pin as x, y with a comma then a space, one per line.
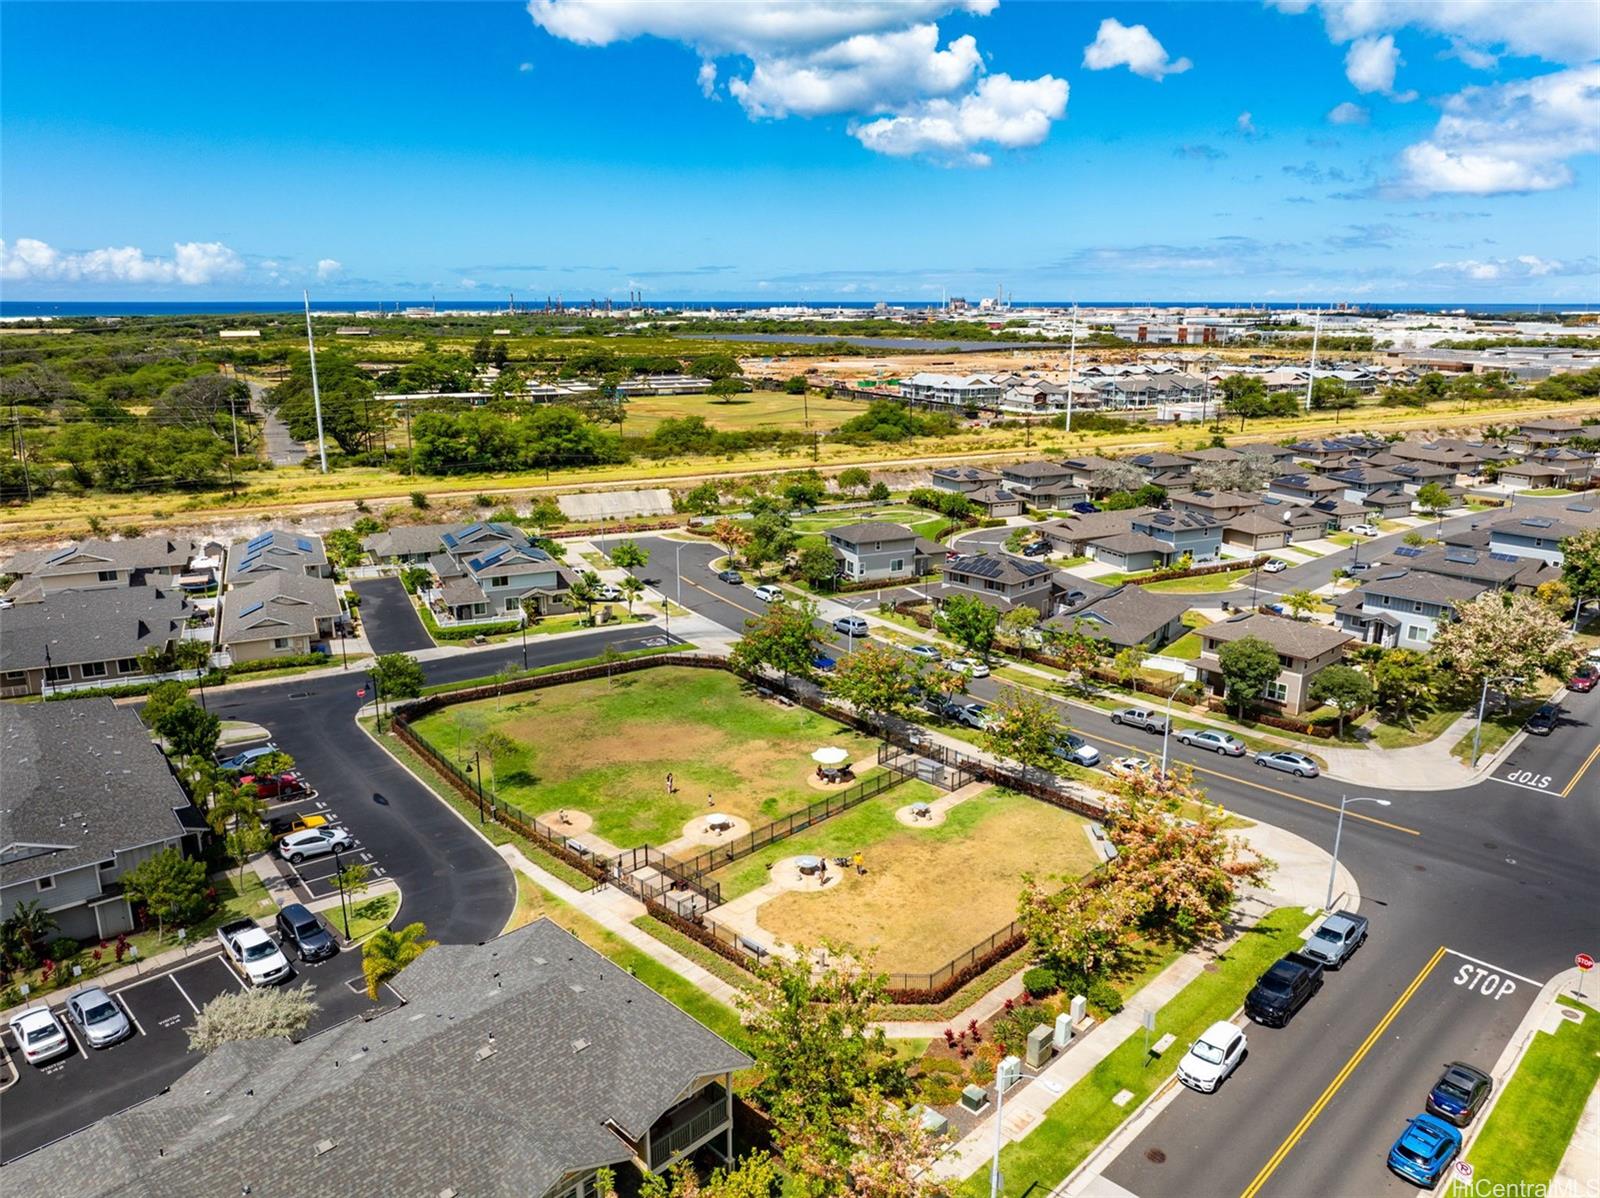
344, 906
524, 641
477, 768
1477, 732
1166, 731
1338, 835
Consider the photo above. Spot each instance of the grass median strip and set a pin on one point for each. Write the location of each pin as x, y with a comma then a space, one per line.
1085, 1115
1534, 1121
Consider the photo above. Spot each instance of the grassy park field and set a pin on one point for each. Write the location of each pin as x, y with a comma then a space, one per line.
605, 748
753, 409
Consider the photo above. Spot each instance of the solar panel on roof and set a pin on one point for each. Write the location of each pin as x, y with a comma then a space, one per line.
303, 545
1461, 557
61, 553
1538, 522
251, 610
257, 541
1504, 557
471, 529
1408, 551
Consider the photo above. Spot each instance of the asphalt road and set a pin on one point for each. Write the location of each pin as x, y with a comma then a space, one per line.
1500, 873
390, 622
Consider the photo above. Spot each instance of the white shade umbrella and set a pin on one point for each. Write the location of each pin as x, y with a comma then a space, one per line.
831, 756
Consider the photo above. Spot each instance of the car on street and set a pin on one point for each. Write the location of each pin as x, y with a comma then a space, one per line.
1594, 657
939, 705
731, 576
1073, 748
1276, 566
1424, 1150
1283, 989
39, 1035
821, 661
98, 1018
1213, 1057
253, 953
927, 652
1289, 762
1036, 549
302, 931
1543, 722
768, 593
608, 592
287, 785
1126, 767
851, 626
970, 666
1584, 678
1364, 530
314, 842
1140, 717
972, 714
1337, 939
245, 758
1460, 1093
1213, 740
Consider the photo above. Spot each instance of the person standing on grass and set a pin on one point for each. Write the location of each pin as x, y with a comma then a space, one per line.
859, 864
670, 787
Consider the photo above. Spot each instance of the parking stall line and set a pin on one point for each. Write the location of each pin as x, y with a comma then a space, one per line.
128, 1011
183, 992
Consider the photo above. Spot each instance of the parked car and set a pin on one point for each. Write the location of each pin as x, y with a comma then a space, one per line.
1126, 767
245, 758
1336, 941
1140, 717
927, 652
821, 661
1543, 722
970, 666
1075, 749
608, 592
731, 576
1364, 530
1460, 1094
1286, 987
851, 626
939, 705
287, 785
1424, 1150
972, 714
1036, 549
1213, 1057
39, 1035
1584, 678
1275, 566
254, 953
299, 929
314, 842
282, 825
1083, 507
768, 593
1297, 764
1210, 738
100, 1021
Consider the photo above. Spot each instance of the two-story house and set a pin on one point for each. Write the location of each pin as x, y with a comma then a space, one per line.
1025, 476
1220, 506
72, 640
87, 797
277, 550
1001, 580
279, 614
1538, 536
1157, 466
1304, 488
963, 479
521, 1066
1486, 568
1402, 608
86, 565
1304, 649
1193, 533
880, 549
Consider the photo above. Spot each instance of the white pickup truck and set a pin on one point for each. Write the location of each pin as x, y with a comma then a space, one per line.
253, 953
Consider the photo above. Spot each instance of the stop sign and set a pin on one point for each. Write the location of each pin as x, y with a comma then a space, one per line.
1584, 961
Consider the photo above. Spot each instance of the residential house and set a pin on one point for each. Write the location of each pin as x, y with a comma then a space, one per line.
1157, 466
1086, 471
279, 614
1024, 476
492, 583
996, 502
1216, 455
1056, 496
72, 640
87, 797
1282, 454
1574, 467
1220, 506
1416, 475
1304, 488
1126, 617
1340, 514
274, 551
408, 544
965, 479
1362, 481
1307, 521
1255, 533
958, 391
1503, 571
1388, 503
1001, 580
1401, 607
1130, 552
1074, 534
85, 565
1191, 533
520, 1066
879, 549
1304, 649
1537, 536
1530, 475
1537, 434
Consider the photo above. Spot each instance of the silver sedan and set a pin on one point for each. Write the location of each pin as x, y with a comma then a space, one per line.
1297, 764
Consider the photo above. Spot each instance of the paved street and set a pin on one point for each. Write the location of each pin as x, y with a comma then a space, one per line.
387, 617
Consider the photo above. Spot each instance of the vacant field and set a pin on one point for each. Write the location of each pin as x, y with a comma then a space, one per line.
919, 520
754, 409
928, 893
605, 749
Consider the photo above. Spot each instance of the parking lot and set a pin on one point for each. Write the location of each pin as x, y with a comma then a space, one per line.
314, 877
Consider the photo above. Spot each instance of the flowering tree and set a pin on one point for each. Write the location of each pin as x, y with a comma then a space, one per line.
1023, 727
252, 1015
1510, 639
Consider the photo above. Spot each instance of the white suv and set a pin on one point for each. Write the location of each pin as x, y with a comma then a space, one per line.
314, 842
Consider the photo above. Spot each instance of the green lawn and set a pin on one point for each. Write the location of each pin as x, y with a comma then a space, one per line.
1198, 585
1428, 727
1085, 1115
753, 409
1534, 1120
366, 916
604, 748
1546, 491
1497, 729
1187, 646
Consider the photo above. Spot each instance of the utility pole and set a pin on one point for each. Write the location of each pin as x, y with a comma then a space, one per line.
1311, 375
1072, 364
316, 393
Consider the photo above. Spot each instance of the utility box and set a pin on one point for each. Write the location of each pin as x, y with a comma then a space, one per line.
974, 1098
1039, 1049
933, 1122
1008, 1074
1063, 1035
1080, 1008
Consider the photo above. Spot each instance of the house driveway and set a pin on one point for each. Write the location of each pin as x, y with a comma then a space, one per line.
391, 623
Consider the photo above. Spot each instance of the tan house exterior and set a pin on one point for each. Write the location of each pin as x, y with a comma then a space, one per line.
1304, 649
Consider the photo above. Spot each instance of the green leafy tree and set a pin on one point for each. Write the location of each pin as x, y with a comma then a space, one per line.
585, 590
189, 729
1300, 602
731, 535
726, 389
1016, 624
1509, 638
815, 563
795, 384
1343, 687
854, 480
1127, 664
629, 556
632, 587
804, 491
28, 927
1329, 395
1433, 499
771, 538
879, 492
276, 1012
1580, 566
970, 622
1248, 665
171, 886
544, 514
703, 500
398, 675
389, 951
1402, 684
1024, 727
351, 415
780, 639
344, 547
877, 681
163, 697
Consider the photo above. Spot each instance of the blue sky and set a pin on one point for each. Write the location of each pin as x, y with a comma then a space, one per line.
1293, 150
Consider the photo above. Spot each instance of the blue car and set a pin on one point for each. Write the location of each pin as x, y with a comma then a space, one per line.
1084, 508
821, 661
1424, 1150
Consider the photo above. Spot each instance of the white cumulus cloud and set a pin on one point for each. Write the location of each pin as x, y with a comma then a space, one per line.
1370, 63
1564, 31
1348, 113
1523, 266
1509, 137
1244, 125
192, 263
327, 268
1131, 46
1001, 110
706, 77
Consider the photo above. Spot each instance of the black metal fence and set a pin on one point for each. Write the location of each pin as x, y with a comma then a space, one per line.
940, 983
669, 875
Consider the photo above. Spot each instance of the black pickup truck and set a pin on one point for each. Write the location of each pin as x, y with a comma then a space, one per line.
1283, 990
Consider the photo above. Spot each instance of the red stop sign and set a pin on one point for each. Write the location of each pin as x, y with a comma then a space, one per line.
1585, 961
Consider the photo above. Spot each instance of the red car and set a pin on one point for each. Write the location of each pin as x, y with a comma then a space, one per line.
286, 785
1584, 679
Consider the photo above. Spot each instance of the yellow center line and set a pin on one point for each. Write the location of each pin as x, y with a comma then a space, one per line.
1582, 770
723, 598
1310, 1116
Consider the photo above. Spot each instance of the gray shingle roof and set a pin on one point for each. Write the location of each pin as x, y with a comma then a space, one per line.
1127, 616
82, 780
871, 530
1293, 638
155, 553
410, 1101
104, 624
406, 540
277, 604
1000, 567
276, 550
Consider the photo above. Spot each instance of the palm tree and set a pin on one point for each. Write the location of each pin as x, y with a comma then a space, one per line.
233, 807
585, 589
31, 924
389, 951
632, 588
